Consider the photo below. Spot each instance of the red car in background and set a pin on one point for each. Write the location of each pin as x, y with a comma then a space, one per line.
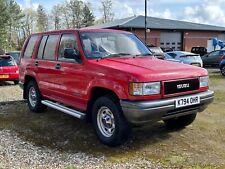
8, 69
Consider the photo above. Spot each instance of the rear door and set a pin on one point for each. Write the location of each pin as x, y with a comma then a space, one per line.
212, 58
216, 58
45, 65
26, 62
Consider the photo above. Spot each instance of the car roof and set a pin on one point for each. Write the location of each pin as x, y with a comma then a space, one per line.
81, 30
13, 52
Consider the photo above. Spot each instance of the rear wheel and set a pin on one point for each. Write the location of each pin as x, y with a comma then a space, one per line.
110, 125
223, 71
33, 96
180, 122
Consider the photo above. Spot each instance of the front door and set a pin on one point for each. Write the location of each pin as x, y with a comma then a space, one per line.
70, 81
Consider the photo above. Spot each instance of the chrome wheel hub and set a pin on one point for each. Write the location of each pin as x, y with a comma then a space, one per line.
105, 121
32, 97
223, 70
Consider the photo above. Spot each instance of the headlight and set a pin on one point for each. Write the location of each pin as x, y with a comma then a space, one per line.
144, 89
17, 71
204, 81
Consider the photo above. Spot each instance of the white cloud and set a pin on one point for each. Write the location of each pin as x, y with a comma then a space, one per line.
29, 4
209, 12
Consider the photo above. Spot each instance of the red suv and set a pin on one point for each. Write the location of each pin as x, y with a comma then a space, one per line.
110, 77
8, 69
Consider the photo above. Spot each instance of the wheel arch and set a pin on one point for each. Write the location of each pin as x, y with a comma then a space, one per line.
95, 93
27, 79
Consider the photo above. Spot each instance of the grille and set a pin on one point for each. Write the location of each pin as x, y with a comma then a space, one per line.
174, 87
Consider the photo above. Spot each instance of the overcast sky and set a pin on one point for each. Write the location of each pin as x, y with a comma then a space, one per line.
200, 11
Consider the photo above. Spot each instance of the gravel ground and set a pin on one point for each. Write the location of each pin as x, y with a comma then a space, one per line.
16, 153
56, 140
10, 92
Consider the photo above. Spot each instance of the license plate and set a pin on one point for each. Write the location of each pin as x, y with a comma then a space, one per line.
187, 101
4, 76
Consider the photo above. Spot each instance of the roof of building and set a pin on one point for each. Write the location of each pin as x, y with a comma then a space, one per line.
158, 23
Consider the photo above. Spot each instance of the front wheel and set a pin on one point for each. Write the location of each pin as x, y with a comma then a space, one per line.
110, 125
33, 96
180, 122
223, 71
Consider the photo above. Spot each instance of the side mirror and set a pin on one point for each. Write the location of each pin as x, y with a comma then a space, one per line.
70, 53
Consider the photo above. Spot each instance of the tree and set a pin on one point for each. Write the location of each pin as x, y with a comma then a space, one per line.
106, 8
4, 15
42, 19
56, 16
14, 23
76, 14
88, 17
75, 7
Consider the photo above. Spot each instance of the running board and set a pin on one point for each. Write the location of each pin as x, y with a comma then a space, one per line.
64, 109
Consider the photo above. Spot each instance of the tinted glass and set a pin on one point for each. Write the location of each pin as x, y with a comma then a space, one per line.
49, 53
41, 47
30, 46
111, 44
15, 55
68, 41
173, 55
214, 54
7, 62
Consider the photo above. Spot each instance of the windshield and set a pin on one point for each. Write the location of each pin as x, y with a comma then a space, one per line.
6, 61
110, 44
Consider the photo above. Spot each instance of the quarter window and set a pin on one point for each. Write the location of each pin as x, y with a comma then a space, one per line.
30, 47
68, 42
41, 47
49, 53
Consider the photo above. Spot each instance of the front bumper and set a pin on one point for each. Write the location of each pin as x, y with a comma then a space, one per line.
141, 112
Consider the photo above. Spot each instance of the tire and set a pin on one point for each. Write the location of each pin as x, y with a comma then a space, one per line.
33, 96
180, 122
16, 82
120, 129
223, 70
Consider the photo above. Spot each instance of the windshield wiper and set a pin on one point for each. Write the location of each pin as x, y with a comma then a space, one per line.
145, 54
115, 55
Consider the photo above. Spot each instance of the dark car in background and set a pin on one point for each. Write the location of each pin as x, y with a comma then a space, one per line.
213, 58
167, 49
222, 67
199, 50
8, 69
15, 55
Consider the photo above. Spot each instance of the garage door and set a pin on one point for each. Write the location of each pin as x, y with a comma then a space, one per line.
170, 40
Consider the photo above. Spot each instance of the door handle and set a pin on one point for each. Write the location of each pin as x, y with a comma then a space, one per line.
36, 63
58, 66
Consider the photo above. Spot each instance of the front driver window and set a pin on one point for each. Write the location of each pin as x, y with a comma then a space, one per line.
68, 47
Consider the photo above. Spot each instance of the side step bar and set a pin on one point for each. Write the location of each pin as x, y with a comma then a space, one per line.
64, 109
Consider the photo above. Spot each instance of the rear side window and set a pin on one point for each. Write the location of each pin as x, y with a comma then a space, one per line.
30, 46
41, 47
49, 53
7, 61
